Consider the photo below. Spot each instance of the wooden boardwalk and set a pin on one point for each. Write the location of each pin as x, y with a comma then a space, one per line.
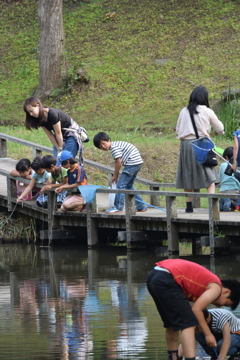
202, 227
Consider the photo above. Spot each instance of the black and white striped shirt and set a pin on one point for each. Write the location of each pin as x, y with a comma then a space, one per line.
127, 152
219, 319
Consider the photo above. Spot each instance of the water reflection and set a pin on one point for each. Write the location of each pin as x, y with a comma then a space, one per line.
75, 303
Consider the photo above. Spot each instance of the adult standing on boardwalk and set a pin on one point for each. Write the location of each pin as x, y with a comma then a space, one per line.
61, 129
190, 174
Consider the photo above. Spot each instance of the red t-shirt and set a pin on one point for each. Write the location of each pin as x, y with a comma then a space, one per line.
193, 278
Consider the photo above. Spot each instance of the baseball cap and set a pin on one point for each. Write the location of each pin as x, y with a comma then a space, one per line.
64, 155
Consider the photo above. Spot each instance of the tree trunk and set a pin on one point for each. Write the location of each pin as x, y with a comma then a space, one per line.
52, 63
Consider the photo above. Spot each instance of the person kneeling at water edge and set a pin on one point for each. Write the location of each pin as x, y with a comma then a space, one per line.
76, 176
127, 155
225, 326
172, 284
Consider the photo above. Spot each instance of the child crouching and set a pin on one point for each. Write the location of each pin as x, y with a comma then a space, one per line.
58, 177
40, 176
76, 176
23, 169
229, 184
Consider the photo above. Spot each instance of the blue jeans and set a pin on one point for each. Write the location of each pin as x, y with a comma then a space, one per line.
234, 346
125, 182
225, 204
70, 145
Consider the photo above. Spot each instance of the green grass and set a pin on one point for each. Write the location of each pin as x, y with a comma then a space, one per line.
127, 85
129, 94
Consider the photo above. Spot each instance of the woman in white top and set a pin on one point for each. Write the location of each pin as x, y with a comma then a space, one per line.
190, 174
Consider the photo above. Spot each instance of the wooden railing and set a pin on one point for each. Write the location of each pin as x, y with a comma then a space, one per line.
130, 212
38, 149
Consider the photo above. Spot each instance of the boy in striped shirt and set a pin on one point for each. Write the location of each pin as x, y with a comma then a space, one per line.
225, 326
127, 155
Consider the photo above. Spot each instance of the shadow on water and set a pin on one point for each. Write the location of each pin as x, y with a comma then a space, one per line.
75, 303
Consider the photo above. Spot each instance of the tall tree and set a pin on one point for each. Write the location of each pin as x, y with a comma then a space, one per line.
52, 62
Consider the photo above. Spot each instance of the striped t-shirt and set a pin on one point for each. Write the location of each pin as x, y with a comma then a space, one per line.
219, 319
128, 153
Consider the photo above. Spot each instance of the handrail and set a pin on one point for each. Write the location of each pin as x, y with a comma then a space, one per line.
41, 148
135, 192
171, 210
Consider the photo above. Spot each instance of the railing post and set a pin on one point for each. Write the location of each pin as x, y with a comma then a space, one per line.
213, 216
129, 211
53, 222
196, 200
154, 199
3, 148
36, 152
92, 229
110, 179
11, 193
172, 229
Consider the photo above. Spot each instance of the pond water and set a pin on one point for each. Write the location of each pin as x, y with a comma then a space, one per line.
75, 303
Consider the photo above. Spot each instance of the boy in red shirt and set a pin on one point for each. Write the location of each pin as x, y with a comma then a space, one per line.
172, 284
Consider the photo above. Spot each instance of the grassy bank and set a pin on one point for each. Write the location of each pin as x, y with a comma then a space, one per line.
159, 152
141, 66
129, 83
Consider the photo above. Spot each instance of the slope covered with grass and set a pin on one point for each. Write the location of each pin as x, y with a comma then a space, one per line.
140, 60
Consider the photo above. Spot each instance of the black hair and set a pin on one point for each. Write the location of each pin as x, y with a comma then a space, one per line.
199, 96
228, 152
101, 136
234, 287
23, 165
31, 121
205, 313
72, 160
47, 161
36, 164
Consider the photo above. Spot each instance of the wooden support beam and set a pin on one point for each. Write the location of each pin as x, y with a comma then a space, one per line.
11, 192
213, 216
92, 228
53, 221
130, 210
172, 229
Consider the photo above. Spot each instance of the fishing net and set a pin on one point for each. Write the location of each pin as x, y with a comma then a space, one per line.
88, 192
201, 148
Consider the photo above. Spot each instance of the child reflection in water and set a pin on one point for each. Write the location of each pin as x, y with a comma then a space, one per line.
76, 341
